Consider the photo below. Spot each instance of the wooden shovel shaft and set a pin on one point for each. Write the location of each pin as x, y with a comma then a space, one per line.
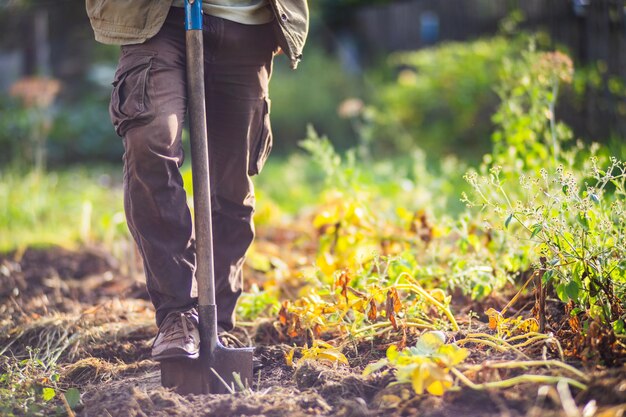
217, 364
200, 168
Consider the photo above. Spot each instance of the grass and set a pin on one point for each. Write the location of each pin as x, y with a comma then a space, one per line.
84, 205
75, 206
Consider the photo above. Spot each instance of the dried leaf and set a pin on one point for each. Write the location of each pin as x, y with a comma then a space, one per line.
393, 300
372, 313
495, 318
342, 282
283, 313
323, 351
392, 306
394, 323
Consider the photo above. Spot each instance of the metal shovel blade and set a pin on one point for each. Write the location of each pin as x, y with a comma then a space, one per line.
219, 369
233, 368
225, 371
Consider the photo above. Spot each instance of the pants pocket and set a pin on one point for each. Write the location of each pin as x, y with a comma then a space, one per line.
130, 101
261, 145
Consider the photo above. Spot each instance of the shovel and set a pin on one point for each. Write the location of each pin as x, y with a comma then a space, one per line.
218, 370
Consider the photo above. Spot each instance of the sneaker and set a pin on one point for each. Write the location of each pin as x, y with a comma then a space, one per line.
178, 337
229, 340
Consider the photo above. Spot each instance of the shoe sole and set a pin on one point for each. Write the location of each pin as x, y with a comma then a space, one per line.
174, 355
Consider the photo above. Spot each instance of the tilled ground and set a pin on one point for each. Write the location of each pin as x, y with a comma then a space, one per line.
76, 310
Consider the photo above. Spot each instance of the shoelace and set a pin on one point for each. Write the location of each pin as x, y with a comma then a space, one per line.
185, 324
229, 340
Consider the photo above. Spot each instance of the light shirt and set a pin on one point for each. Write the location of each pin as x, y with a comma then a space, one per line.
247, 12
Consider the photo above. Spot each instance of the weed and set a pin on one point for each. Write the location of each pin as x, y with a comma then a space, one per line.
568, 211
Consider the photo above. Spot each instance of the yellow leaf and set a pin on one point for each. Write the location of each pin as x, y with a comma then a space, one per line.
321, 343
438, 387
429, 342
439, 295
289, 357
420, 373
390, 400
392, 353
453, 354
323, 351
528, 325
325, 217
375, 366
333, 356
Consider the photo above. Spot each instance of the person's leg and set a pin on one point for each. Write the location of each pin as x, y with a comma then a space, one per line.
238, 66
147, 108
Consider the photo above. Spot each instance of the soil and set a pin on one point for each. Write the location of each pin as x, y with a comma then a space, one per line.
78, 308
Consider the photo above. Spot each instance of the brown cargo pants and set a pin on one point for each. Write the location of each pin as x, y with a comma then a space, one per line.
148, 106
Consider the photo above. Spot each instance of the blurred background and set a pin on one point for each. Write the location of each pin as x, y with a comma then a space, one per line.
384, 78
349, 57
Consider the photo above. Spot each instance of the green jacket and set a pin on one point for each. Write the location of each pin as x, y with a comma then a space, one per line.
119, 22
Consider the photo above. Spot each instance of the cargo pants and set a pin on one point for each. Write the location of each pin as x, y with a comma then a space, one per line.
147, 108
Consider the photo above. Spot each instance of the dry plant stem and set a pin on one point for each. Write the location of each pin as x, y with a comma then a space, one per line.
541, 301
68, 409
494, 345
231, 389
548, 338
520, 379
532, 340
382, 326
525, 336
519, 293
415, 287
493, 338
535, 337
530, 363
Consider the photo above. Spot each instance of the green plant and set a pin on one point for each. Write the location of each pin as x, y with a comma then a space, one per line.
528, 135
31, 388
257, 303
426, 366
310, 95
568, 204
575, 225
440, 97
62, 208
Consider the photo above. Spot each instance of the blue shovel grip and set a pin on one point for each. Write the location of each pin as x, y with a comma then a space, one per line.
193, 14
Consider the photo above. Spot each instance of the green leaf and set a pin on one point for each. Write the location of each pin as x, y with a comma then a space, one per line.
72, 396
480, 291
547, 276
536, 229
572, 289
565, 189
619, 327
508, 221
48, 393
594, 287
560, 292
575, 311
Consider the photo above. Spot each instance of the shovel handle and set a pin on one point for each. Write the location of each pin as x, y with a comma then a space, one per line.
199, 153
